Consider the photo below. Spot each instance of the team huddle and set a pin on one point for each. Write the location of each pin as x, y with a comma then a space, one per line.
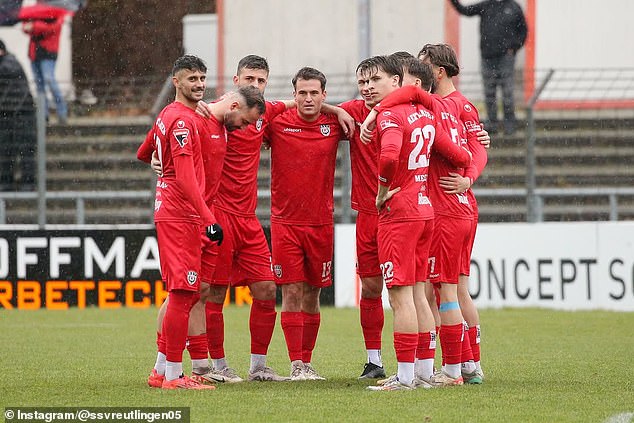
415, 228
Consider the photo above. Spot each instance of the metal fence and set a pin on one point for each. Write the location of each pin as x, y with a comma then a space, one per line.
565, 94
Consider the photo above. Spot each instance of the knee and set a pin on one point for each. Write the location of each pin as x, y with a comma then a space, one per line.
264, 290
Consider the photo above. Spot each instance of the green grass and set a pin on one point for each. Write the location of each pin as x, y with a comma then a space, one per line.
540, 366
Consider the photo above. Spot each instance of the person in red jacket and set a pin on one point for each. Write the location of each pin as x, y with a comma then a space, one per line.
43, 49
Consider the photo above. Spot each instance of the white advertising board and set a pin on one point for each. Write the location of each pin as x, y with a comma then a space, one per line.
566, 266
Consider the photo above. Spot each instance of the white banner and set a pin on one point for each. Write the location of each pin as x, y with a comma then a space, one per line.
567, 266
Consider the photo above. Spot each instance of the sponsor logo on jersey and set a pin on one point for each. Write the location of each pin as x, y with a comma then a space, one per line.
387, 124
325, 130
258, 124
423, 199
277, 269
292, 130
472, 126
181, 136
215, 136
161, 184
192, 276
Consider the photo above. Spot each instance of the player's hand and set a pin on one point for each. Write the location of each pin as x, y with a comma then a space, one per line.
202, 109
155, 164
214, 233
454, 183
367, 127
346, 121
484, 138
381, 199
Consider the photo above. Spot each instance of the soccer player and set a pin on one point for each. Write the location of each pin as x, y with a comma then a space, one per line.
407, 135
444, 64
179, 212
303, 153
235, 110
244, 257
363, 160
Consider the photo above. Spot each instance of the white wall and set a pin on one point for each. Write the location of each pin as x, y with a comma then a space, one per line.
567, 266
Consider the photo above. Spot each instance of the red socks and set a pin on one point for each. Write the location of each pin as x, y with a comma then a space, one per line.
372, 320
261, 325
292, 326
405, 346
474, 337
426, 347
175, 324
215, 329
197, 347
451, 343
309, 334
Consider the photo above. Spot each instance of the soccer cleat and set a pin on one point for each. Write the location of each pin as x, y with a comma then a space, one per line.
389, 379
297, 371
265, 374
204, 376
226, 375
392, 385
420, 382
472, 378
443, 379
311, 373
155, 380
372, 371
185, 382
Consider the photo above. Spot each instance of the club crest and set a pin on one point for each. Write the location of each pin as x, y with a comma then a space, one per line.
192, 277
277, 269
258, 125
325, 130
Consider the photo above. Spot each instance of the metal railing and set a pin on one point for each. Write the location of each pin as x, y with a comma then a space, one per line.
79, 197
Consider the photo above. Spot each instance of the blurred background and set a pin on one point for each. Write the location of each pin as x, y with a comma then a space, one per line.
569, 160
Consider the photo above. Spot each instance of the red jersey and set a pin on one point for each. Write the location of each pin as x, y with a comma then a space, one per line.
174, 133
446, 111
303, 156
213, 137
468, 114
363, 161
407, 134
238, 189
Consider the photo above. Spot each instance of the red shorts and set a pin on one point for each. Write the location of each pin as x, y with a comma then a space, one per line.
244, 256
465, 267
367, 248
302, 254
179, 252
209, 257
450, 240
403, 251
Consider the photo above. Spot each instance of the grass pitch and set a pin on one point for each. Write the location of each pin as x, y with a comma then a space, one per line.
540, 366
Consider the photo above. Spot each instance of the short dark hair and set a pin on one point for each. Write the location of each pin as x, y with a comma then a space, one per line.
308, 73
441, 55
189, 62
387, 64
420, 70
401, 56
253, 98
253, 62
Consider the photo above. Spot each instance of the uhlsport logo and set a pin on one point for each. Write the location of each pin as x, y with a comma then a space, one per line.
277, 269
191, 277
325, 130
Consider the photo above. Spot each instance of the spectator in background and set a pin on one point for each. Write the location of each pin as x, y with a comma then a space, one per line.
43, 48
502, 33
17, 126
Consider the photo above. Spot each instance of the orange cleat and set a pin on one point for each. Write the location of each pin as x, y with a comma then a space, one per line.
155, 380
185, 382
